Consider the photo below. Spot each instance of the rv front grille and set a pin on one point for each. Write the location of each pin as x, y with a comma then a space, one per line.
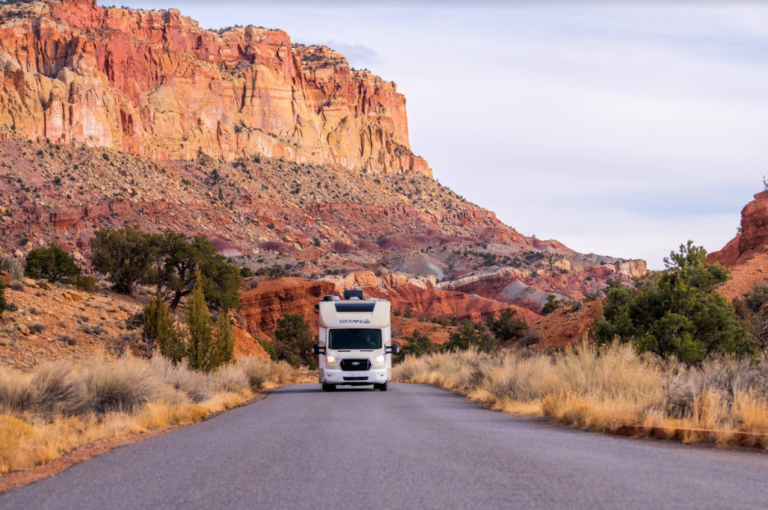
351, 365
355, 378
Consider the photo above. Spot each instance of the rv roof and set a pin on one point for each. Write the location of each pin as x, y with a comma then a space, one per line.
355, 306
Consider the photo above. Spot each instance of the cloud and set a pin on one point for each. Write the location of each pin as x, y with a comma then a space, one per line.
359, 55
622, 128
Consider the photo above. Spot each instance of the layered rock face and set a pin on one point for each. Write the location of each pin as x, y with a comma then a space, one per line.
154, 83
267, 303
752, 238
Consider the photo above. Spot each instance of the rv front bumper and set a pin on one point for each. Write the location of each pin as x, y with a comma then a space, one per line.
357, 377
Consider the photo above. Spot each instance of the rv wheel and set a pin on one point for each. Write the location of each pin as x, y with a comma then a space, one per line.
381, 387
329, 387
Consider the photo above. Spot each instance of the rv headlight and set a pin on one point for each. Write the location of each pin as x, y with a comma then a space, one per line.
378, 360
330, 360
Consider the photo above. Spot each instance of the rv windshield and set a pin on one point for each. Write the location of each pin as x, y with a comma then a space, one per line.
357, 339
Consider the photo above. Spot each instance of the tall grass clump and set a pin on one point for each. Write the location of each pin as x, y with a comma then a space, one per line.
12, 266
606, 387
59, 406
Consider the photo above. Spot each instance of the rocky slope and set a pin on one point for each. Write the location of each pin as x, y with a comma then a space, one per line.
278, 153
55, 322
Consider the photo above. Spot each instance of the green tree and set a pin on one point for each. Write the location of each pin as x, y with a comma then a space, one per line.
293, 341
225, 340
160, 328
677, 311
51, 263
201, 349
179, 258
551, 305
126, 255
507, 327
471, 334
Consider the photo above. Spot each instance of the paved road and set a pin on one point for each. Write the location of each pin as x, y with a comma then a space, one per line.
412, 447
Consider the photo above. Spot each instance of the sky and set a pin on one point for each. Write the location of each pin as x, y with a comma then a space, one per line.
618, 128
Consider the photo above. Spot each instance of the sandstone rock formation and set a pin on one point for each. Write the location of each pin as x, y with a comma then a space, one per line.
265, 304
752, 238
154, 83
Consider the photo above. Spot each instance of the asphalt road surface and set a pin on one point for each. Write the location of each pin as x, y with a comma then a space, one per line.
412, 447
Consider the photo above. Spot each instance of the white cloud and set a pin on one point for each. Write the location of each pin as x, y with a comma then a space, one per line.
619, 130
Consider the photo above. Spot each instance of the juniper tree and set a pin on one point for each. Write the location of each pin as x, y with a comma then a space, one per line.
160, 327
201, 349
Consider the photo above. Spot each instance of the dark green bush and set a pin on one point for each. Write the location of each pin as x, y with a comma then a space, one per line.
293, 341
53, 264
677, 312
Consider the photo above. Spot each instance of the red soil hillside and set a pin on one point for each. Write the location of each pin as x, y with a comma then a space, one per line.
565, 327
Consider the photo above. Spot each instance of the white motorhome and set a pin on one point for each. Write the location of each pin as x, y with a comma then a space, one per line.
355, 344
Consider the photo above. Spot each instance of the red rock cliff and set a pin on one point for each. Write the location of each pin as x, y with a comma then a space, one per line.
156, 84
752, 238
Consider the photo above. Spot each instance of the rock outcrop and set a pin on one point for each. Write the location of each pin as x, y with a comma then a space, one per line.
752, 238
154, 83
270, 300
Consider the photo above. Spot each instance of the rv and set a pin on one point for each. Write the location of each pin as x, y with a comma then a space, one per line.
355, 344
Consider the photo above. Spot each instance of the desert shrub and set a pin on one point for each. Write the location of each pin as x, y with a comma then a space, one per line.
283, 373
276, 271
57, 389
17, 286
246, 272
552, 304
472, 335
677, 311
53, 264
16, 393
196, 385
257, 370
231, 378
12, 266
37, 328
268, 348
87, 284
293, 341
418, 345
507, 327
69, 340
3, 302
122, 385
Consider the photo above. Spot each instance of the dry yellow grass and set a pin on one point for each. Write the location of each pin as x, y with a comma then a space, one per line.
610, 387
55, 408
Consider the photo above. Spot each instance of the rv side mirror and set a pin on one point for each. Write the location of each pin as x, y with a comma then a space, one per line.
316, 349
395, 348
